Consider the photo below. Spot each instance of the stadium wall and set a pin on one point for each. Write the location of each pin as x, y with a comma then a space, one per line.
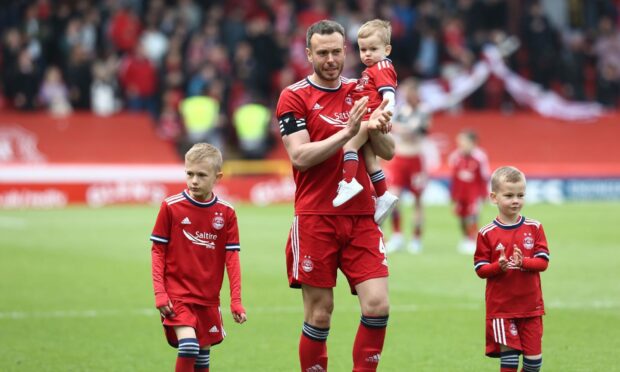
48, 162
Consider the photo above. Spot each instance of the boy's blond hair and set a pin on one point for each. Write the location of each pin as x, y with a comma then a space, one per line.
381, 27
505, 174
205, 152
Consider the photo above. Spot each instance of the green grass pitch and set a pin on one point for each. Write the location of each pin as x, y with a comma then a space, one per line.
76, 295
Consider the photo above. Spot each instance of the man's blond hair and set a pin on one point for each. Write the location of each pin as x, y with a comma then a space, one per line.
505, 174
379, 26
205, 152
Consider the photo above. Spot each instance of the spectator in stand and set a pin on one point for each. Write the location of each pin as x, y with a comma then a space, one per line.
190, 13
54, 93
541, 41
11, 47
201, 80
79, 78
428, 51
124, 29
154, 42
104, 90
574, 59
233, 29
27, 80
607, 51
138, 79
79, 34
455, 43
266, 52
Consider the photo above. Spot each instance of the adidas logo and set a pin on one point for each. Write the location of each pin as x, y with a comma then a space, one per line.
186, 221
374, 359
315, 368
317, 106
214, 330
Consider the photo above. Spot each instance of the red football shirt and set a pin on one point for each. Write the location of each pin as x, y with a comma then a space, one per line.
375, 81
515, 293
322, 112
470, 175
195, 236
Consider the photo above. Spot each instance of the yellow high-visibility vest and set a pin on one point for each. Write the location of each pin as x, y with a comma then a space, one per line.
251, 121
199, 113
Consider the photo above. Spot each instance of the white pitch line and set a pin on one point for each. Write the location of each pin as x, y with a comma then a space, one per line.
405, 308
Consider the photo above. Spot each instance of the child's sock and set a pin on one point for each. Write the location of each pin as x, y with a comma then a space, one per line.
378, 181
531, 365
472, 230
188, 352
369, 343
417, 231
395, 221
313, 348
202, 362
509, 360
349, 166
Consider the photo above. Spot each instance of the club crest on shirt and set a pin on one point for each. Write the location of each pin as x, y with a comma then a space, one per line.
348, 100
528, 241
361, 82
513, 329
307, 264
218, 221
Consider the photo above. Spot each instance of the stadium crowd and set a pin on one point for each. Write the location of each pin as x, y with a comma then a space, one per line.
154, 55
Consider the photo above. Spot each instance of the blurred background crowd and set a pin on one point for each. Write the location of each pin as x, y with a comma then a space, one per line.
213, 70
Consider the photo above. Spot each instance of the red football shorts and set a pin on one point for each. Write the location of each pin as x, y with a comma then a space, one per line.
524, 334
407, 172
466, 208
319, 245
206, 320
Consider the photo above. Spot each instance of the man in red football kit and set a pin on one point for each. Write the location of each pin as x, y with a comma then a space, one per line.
317, 117
468, 185
194, 237
514, 301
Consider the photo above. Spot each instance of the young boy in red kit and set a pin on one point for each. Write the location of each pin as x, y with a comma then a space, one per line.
194, 237
468, 185
510, 253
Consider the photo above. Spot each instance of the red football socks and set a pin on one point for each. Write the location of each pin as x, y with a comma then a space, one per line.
369, 343
313, 348
185, 364
349, 167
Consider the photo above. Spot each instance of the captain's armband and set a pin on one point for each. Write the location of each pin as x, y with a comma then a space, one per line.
289, 125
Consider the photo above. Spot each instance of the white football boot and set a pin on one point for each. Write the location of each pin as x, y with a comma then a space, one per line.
396, 243
346, 191
415, 246
467, 246
384, 206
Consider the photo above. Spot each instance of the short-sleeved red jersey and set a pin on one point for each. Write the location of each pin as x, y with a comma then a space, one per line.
470, 175
322, 112
516, 293
196, 236
375, 81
